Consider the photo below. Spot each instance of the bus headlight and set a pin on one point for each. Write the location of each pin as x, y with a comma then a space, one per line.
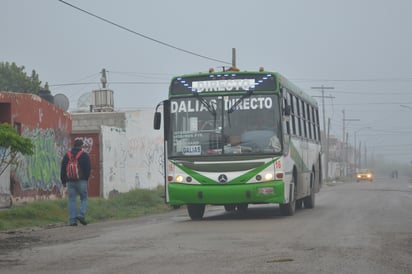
266, 177
179, 178
269, 176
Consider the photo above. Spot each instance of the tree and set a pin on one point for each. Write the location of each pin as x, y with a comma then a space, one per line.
11, 144
14, 79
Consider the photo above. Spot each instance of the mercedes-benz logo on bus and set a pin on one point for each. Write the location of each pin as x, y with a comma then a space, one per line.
222, 178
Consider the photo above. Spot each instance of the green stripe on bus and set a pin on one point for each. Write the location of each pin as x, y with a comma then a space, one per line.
240, 179
297, 158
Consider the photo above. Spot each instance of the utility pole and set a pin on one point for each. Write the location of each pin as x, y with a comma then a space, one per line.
326, 144
355, 160
346, 151
322, 89
234, 57
344, 142
327, 152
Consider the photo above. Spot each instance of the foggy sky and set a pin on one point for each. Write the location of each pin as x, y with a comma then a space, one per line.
359, 47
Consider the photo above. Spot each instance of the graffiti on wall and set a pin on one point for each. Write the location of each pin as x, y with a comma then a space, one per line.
154, 160
42, 169
132, 158
87, 143
114, 159
146, 159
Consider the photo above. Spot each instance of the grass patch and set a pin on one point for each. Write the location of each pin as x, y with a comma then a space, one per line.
132, 204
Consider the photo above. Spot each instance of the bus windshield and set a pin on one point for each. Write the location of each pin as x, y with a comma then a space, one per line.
225, 125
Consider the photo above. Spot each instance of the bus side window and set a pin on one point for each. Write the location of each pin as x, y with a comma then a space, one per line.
286, 105
317, 124
310, 121
292, 114
296, 103
315, 135
304, 120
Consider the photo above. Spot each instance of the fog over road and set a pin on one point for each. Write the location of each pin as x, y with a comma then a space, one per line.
354, 228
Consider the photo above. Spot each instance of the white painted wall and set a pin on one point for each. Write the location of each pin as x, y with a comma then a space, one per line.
133, 157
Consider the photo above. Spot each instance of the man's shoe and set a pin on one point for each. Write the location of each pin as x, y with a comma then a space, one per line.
81, 220
73, 224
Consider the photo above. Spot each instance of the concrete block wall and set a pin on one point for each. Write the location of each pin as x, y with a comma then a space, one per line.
132, 157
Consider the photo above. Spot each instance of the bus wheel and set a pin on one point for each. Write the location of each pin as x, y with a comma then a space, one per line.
299, 204
230, 207
196, 211
309, 201
242, 208
290, 208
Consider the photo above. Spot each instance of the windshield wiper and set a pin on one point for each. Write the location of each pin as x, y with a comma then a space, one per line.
244, 96
209, 107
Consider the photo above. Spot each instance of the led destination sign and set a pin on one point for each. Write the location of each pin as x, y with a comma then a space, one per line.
191, 105
222, 83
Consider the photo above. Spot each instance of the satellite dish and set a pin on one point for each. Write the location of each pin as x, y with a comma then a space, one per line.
61, 101
84, 102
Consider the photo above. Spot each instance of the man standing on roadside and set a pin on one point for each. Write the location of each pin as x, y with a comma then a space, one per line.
75, 172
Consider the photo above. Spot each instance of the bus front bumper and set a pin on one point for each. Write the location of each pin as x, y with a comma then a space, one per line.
267, 192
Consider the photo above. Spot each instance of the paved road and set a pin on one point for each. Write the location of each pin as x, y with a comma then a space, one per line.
354, 228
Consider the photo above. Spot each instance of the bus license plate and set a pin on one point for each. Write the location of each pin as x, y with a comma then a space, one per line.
266, 190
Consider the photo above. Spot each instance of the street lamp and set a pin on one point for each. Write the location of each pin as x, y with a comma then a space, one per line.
355, 133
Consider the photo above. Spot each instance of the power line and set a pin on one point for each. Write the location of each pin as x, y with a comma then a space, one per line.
353, 80
117, 83
74, 84
133, 73
370, 103
373, 93
144, 36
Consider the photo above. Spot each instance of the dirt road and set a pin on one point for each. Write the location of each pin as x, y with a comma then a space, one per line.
354, 228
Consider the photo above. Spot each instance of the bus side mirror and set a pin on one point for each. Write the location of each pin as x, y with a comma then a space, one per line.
157, 120
286, 110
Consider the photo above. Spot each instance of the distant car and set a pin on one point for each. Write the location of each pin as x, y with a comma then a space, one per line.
364, 175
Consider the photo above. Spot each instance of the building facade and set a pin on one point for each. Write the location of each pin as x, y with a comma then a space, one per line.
125, 151
49, 128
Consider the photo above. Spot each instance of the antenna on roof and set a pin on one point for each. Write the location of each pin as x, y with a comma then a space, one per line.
103, 79
234, 57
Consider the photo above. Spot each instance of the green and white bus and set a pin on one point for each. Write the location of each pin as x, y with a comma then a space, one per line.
237, 138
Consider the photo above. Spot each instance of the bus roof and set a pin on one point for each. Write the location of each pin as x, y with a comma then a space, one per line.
281, 82
295, 89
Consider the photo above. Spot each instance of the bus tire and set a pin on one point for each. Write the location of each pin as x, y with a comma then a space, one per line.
230, 207
242, 208
309, 201
196, 211
299, 204
290, 208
